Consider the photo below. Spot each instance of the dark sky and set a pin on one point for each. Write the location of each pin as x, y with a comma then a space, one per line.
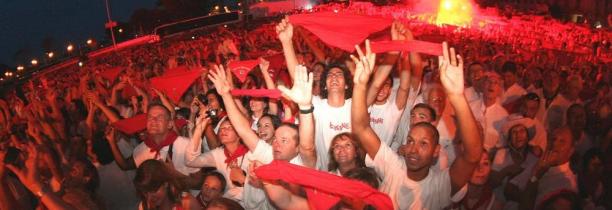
25, 23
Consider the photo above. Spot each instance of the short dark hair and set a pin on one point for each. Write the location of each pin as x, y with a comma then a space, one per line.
427, 107
432, 128
226, 203
364, 174
218, 176
348, 93
509, 66
276, 122
294, 127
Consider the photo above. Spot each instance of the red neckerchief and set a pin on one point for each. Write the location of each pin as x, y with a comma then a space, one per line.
154, 147
239, 152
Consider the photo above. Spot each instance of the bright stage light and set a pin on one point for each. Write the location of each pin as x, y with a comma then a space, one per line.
455, 12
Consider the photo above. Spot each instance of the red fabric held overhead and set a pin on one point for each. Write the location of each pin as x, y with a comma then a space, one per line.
341, 30
112, 73
138, 123
424, 47
175, 86
258, 93
242, 68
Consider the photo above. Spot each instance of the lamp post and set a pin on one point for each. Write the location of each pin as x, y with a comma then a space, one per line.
110, 24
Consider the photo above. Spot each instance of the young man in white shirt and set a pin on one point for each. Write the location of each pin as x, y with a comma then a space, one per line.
290, 143
410, 181
512, 90
386, 106
332, 107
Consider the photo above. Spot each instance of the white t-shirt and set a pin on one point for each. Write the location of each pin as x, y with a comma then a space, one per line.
384, 118
216, 158
513, 93
403, 127
447, 130
555, 179
329, 121
142, 153
433, 192
492, 119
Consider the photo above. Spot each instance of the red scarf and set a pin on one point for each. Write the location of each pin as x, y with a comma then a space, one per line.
239, 152
324, 190
154, 147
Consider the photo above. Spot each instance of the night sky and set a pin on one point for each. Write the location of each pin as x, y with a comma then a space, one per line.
25, 23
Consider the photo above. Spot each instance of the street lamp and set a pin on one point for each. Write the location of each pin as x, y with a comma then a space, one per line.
50, 54
20, 68
89, 41
34, 62
70, 48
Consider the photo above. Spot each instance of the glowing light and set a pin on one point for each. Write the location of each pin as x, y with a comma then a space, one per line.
20, 68
335, 10
120, 30
50, 54
217, 7
308, 7
239, 4
455, 12
80, 63
226, 9
34, 62
70, 48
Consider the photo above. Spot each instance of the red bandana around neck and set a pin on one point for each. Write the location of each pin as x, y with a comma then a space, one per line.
154, 147
229, 158
258, 93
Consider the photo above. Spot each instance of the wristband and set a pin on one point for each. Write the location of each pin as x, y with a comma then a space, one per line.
307, 111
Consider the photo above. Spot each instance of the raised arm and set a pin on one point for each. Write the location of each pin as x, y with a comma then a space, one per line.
285, 34
123, 163
384, 69
360, 119
451, 76
301, 94
241, 124
263, 66
166, 102
404, 87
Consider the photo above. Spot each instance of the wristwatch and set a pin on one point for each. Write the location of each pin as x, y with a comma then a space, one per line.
307, 111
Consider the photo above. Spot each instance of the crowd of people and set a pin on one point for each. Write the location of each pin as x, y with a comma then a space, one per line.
514, 114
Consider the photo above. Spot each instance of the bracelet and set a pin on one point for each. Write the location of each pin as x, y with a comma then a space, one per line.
307, 111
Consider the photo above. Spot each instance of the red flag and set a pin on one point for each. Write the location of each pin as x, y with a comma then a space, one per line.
321, 186
275, 93
412, 46
277, 63
112, 73
341, 30
175, 86
176, 71
132, 125
138, 123
242, 68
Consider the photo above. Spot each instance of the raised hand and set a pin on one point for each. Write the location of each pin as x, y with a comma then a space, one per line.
364, 64
451, 71
301, 92
220, 80
284, 29
29, 175
264, 65
202, 122
111, 135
